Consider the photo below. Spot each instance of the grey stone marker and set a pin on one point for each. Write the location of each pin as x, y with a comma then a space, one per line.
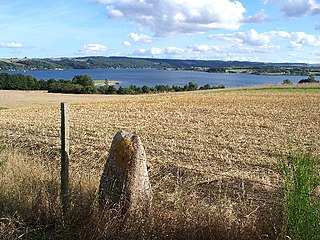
125, 182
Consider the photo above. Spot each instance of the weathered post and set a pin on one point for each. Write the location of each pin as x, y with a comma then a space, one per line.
125, 182
65, 157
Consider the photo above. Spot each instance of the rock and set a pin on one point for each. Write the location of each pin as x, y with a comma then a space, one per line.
125, 182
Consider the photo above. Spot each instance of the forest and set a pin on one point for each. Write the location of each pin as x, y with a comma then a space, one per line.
84, 84
259, 68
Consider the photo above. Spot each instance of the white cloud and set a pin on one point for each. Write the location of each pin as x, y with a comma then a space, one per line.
126, 43
204, 48
317, 26
200, 51
114, 12
316, 53
306, 39
93, 48
279, 34
155, 51
297, 8
10, 45
168, 17
260, 17
251, 37
152, 52
140, 52
140, 37
203, 51
295, 46
296, 40
174, 50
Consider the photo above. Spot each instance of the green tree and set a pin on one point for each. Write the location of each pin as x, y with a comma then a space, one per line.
310, 79
84, 80
134, 89
111, 90
145, 89
190, 87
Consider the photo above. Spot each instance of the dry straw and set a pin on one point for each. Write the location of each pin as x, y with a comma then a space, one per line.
212, 159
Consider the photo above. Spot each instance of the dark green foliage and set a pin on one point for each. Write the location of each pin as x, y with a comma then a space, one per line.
216, 70
39, 64
84, 80
111, 90
18, 82
286, 81
205, 87
133, 89
310, 79
43, 84
190, 87
83, 84
77, 85
145, 89
7, 65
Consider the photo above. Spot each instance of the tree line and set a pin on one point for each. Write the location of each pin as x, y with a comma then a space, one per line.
84, 84
21, 82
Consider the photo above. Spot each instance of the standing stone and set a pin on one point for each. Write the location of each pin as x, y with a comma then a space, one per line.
125, 182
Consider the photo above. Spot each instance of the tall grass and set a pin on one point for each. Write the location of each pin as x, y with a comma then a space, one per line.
30, 208
302, 200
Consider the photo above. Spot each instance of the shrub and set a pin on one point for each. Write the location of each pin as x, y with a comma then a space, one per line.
145, 89
310, 79
190, 87
286, 81
84, 80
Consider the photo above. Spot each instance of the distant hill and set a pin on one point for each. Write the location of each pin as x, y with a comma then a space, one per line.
127, 62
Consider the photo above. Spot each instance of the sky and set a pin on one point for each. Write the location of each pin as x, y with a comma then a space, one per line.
243, 30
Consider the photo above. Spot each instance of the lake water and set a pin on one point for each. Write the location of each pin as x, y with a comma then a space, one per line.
152, 77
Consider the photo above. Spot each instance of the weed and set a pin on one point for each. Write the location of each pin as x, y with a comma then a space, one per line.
302, 201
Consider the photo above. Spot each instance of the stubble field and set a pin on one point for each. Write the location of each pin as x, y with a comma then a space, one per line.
212, 155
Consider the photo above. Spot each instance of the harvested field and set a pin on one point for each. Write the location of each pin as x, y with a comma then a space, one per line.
19, 99
212, 155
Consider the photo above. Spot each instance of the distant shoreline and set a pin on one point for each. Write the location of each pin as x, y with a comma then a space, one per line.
100, 83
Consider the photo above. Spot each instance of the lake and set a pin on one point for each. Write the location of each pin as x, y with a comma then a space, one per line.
152, 77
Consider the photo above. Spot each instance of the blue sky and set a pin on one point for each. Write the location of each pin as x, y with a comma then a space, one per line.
245, 30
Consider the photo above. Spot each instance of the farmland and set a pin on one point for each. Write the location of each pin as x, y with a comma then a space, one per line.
213, 155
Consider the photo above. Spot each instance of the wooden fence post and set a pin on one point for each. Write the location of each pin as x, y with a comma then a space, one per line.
65, 157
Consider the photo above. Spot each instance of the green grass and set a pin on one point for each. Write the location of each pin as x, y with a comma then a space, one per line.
288, 89
301, 199
306, 89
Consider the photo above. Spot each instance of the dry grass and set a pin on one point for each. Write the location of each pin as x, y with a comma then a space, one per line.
18, 99
212, 155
